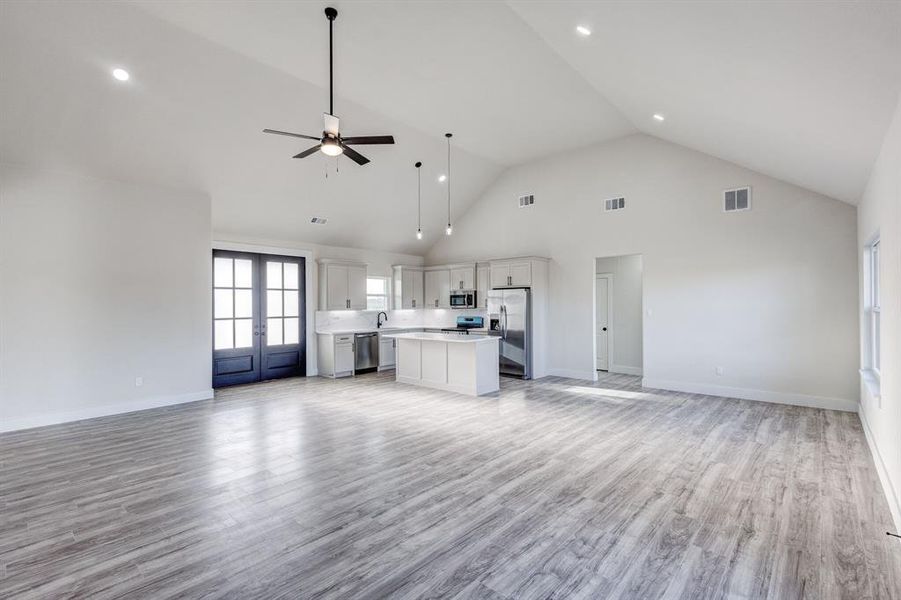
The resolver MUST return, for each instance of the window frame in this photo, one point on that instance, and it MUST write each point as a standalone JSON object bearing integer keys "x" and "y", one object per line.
{"x": 873, "y": 307}
{"x": 385, "y": 294}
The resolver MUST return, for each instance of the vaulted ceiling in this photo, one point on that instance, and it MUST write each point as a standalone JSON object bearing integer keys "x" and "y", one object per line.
{"x": 799, "y": 91}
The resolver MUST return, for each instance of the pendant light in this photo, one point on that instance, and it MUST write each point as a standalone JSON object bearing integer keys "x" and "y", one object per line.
{"x": 449, "y": 229}
{"x": 419, "y": 201}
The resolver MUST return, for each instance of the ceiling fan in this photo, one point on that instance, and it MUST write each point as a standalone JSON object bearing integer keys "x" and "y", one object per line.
{"x": 331, "y": 143}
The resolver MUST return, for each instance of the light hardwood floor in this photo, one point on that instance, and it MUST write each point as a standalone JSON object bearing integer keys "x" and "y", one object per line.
{"x": 366, "y": 488}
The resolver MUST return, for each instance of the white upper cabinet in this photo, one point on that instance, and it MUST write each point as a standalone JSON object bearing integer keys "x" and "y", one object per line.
{"x": 463, "y": 278}
{"x": 356, "y": 287}
{"x": 482, "y": 285}
{"x": 336, "y": 297}
{"x": 511, "y": 274}
{"x": 408, "y": 287}
{"x": 437, "y": 288}
{"x": 342, "y": 286}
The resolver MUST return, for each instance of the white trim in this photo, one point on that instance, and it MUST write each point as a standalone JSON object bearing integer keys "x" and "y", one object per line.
{"x": 893, "y": 504}
{"x": 825, "y": 402}
{"x": 106, "y": 410}
{"x": 573, "y": 374}
{"x": 624, "y": 370}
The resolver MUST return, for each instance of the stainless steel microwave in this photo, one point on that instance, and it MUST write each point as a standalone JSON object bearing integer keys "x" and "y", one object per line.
{"x": 463, "y": 299}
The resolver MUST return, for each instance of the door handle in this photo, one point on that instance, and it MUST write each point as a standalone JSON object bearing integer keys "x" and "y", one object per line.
{"x": 604, "y": 329}
{"x": 347, "y": 303}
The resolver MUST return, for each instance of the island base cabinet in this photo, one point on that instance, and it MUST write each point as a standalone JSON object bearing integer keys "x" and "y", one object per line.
{"x": 408, "y": 359}
{"x": 434, "y": 363}
{"x": 465, "y": 368}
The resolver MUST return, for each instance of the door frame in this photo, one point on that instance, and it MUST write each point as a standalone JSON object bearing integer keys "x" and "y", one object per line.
{"x": 311, "y": 285}
{"x": 610, "y": 280}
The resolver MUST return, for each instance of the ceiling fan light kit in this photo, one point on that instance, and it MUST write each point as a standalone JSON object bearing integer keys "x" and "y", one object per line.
{"x": 332, "y": 143}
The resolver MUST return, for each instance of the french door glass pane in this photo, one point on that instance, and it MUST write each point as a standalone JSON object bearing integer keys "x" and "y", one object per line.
{"x": 223, "y": 338}
{"x": 243, "y": 333}
{"x": 243, "y": 273}
{"x": 290, "y": 276}
{"x": 243, "y": 303}
{"x": 291, "y": 303}
{"x": 223, "y": 304}
{"x": 273, "y": 332}
{"x": 292, "y": 331}
{"x": 273, "y": 275}
{"x": 274, "y": 303}
{"x": 222, "y": 272}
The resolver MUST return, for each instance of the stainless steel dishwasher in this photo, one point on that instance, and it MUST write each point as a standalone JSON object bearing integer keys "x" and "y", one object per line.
{"x": 367, "y": 351}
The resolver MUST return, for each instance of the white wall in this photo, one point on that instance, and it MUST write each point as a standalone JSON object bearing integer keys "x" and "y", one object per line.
{"x": 100, "y": 282}
{"x": 768, "y": 294}
{"x": 880, "y": 213}
{"x": 625, "y": 330}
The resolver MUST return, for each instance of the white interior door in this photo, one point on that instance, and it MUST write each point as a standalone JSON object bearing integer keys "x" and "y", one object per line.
{"x": 602, "y": 295}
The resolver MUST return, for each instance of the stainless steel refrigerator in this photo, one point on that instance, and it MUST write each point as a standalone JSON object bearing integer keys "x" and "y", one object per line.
{"x": 510, "y": 318}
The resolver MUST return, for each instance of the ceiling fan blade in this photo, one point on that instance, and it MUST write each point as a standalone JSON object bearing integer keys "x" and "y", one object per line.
{"x": 369, "y": 139}
{"x": 355, "y": 156}
{"x": 330, "y": 124}
{"x": 308, "y": 152}
{"x": 298, "y": 135}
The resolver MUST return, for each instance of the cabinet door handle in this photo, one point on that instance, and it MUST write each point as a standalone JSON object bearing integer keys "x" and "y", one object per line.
{"x": 414, "y": 302}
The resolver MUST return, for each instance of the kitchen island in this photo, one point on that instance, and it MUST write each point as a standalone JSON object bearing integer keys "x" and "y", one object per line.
{"x": 467, "y": 364}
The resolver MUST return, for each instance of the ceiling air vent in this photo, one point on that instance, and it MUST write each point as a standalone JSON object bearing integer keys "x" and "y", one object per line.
{"x": 615, "y": 204}
{"x": 737, "y": 199}
{"x": 526, "y": 200}
{"x": 319, "y": 220}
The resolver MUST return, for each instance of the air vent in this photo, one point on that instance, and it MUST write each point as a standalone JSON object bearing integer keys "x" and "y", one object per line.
{"x": 526, "y": 201}
{"x": 737, "y": 199}
{"x": 319, "y": 220}
{"x": 615, "y": 204}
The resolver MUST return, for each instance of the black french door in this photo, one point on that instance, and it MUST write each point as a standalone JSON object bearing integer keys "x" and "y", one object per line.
{"x": 259, "y": 324}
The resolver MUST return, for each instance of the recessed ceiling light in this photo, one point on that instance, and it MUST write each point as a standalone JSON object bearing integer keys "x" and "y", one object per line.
{"x": 120, "y": 74}
{"x": 442, "y": 178}
{"x": 583, "y": 30}
{"x": 658, "y": 117}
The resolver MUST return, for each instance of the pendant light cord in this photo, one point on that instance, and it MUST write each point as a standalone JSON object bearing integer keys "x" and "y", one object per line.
{"x": 419, "y": 197}
{"x": 448, "y": 136}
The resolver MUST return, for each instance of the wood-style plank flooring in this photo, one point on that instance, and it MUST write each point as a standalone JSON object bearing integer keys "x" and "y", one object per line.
{"x": 365, "y": 488}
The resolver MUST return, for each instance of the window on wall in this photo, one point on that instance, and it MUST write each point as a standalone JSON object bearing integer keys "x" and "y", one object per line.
{"x": 874, "y": 308}
{"x": 377, "y": 293}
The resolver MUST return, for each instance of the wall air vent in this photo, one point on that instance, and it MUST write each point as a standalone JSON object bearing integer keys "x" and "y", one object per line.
{"x": 526, "y": 200}
{"x": 615, "y": 204}
{"x": 737, "y": 199}
{"x": 318, "y": 220}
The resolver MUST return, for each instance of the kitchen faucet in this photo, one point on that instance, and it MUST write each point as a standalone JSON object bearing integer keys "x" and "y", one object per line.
{"x": 379, "y": 319}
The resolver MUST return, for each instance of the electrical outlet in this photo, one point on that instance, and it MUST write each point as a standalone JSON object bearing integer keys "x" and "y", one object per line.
{"x": 719, "y": 371}
{"x": 139, "y": 381}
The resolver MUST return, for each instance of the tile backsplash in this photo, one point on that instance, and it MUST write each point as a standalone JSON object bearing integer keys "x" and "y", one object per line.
{"x": 340, "y": 320}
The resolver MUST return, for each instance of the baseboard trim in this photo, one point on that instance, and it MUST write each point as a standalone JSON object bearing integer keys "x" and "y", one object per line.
{"x": 571, "y": 374}
{"x": 894, "y": 505}
{"x": 825, "y": 402}
{"x": 623, "y": 370}
{"x": 106, "y": 410}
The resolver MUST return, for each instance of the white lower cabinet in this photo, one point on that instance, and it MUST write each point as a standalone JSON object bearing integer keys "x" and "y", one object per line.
{"x": 336, "y": 355}
{"x": 386, "y": 353}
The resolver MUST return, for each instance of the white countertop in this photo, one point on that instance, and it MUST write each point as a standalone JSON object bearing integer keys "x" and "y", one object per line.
{"x": 371, "y": 330}
{"x": 443, "y": 337}
{"x": 412, "y": 328}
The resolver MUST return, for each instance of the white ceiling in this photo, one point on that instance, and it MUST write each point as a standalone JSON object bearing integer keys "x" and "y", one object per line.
{"x": 803, "y": 92}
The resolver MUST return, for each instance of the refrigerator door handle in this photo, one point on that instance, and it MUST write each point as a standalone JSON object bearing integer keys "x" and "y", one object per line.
{"x": 504, "y": 312}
